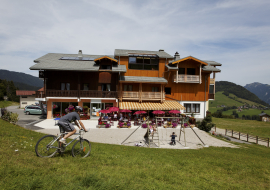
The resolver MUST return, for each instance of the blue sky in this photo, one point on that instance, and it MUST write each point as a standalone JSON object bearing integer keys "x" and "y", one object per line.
{"x": 233, "y": 33}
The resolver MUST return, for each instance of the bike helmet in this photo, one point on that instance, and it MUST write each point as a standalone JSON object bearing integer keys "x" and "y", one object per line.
{"x": 78, "y": 108}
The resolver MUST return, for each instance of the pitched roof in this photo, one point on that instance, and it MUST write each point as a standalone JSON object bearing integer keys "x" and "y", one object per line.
{"x": 171, "y": 68}
{"x": 126, "y": 52}
{"x": 210, "y": 68}
{"x": 212, "y": 63}
{"x": 142, "y": 79}
{"x": 52, "y": 61}
{"x": 188, "y": 58}
{"x": 25, "y": 93}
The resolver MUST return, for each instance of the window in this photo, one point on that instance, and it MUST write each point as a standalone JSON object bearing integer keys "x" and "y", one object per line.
{"x": 105, "y": 67}
{"x": 85, "y": 86}
{"x": 154, "y": 89}
{"x": 168, "y": 91}
{"x": 128, "y": 87}
{"x": 191, "y": 71}
{"x": 106, "y": 87}
{"x": 143, "y": 63}
{"x": 24, "y": 102}
{"x": 211, "y": 89}
{"x": 192, "y": 108}
{"x": 65, "y": 86}
{"x": 24, "y": 96}
{"x": 181, "y": 71}
{"x": 188, "y": 108}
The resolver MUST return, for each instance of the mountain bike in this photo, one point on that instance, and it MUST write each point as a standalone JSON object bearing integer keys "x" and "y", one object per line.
{"x": 49, "y": 145}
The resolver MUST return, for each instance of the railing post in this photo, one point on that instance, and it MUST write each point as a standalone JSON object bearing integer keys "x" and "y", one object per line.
{"x": 268, "y": 143}
{"x": 239, "y": 135}
{"x": 256, "y": 139}
{"x": 225, "y": 132}
{"x": 215, "y": 128}
{"x": 247, "y": 137}
{"x": 232, "y": 133}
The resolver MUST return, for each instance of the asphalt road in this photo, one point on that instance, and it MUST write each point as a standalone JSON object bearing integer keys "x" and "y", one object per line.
{"x": 26, "y": 121}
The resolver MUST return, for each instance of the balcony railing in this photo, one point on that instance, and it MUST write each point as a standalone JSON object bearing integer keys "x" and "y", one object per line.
{"x": 212, "y": 81}
{"x": 77, "y": 93}
{"x": 144, "y": 95}
{"x": 187, "y": 78}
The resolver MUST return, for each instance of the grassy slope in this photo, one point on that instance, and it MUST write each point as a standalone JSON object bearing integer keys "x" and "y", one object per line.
{"x": 122, "y": 167}
{"x": 257, "y": 128}
{"x": 221, "y": 99}
{"x": 8, "y": 103}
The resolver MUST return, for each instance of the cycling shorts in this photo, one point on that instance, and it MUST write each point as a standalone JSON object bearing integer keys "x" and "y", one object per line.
{"x": 68, "y": 127}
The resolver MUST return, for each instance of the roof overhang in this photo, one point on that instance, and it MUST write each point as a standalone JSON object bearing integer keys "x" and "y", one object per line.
{"x": 189, "y": 58}
{"x": 137, "y": 79}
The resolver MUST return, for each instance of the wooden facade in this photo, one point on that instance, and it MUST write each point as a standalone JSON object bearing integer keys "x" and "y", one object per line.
{"x": 185, "y": 79}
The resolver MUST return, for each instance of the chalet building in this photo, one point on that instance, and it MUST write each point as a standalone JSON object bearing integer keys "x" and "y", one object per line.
{"x": 129, "y": 79}
{"x": 27, "y": 97}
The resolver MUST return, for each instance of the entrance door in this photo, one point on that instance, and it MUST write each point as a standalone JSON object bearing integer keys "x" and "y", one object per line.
{"x": 95, "y": 108}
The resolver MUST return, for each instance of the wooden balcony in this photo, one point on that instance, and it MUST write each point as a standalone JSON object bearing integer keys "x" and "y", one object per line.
{"x": 212, "y": 81}
{"x": 211, "y": 96}
{"x": 187, "y": 79}
{"x": 127, "y": 95}
{"x": 77, "y": 94}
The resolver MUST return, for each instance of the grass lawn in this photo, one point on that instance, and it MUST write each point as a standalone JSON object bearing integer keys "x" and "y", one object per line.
{"x": 124, "y": 167}
{"x": 257, "y": 128}
{"x": 8, "y": 103}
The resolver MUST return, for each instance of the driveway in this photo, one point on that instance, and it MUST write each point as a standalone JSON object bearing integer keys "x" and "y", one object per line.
{"x": 26, "y": 121}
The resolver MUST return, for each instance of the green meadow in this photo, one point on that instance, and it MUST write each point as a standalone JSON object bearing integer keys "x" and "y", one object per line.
{"x": 126, "y": 167}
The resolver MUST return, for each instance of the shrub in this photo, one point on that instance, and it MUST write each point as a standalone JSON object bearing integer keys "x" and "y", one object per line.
{"x": 206, "y": 124}
{"x": 107, "y": 125}
{"x": 14, "y": 117}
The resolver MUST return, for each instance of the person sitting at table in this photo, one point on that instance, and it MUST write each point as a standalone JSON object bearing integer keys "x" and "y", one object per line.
{"x": 121, "y": 118}
{"x": 115, "y": 116}
{"x": 106, "y": 117}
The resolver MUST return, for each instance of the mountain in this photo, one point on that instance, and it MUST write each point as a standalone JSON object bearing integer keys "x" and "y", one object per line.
{"x": 239, "y": 91}
{"x": 261, "y": 90}
{"x": 21, "y": 80}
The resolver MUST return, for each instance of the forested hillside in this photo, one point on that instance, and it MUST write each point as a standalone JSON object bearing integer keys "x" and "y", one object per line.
{"x": 239, "y": 91}
{"x": 21, "y": 78}
{"x": 7, "y": 88}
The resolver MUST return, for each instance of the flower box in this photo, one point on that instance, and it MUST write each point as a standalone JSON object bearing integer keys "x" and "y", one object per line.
{"x": 124, "y": 126}
{"x": 169, "y": 126}
{"x": 104, "y": 126}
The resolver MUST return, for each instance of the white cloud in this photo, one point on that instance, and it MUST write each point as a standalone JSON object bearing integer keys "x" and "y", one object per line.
{"x": 234, "y": 33}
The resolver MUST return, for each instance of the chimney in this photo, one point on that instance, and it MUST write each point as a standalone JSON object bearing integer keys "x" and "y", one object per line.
{"x": 161, "y": 50}
{"x": 80, "y": 54}
{"x": 176, "y": 56}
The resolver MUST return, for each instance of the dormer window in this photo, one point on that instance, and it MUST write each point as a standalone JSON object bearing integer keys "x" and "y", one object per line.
{"x": 105, "y": 67}
{"x": 143, "y": 62}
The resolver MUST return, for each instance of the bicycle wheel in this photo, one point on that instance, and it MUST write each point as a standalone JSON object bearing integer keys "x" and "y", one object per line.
{"x": 47, "y": 146}
{"x": 81, "y": 148}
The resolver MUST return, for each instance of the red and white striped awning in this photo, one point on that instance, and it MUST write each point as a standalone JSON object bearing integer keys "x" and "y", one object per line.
{"x": 167, "y": 105}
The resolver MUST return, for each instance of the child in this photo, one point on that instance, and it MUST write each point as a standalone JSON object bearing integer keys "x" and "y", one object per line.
{"x": 173, "y": 138}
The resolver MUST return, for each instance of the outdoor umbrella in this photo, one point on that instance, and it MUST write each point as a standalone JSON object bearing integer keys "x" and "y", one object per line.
{"x": 139, "y": 112}
{"x": 113, "y": 109}
{"x": 157, "y": 112}
{"x": 174, "y": 111}
{"x": 125, "y": 111}
{"x": 105, "y": 111}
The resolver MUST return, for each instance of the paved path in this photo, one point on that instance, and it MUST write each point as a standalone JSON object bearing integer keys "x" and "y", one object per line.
{"x": 236, "y": 138}
{"x": 115, "y": 135}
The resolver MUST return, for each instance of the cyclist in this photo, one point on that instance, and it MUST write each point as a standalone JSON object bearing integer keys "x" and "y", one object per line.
{"x": 65, "y": 123}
